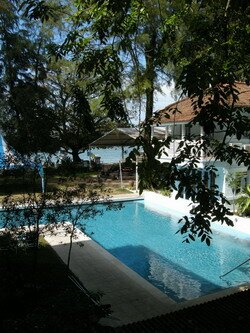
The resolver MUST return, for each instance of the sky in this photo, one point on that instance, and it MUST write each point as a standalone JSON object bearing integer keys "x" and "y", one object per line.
{"x": 162, "y": 100}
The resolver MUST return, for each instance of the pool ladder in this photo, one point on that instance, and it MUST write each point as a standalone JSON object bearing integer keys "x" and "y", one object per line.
{"x": 234, "y": 268}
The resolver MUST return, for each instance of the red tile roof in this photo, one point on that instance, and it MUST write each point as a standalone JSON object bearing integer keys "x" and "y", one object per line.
{"x": 182, "y": 111}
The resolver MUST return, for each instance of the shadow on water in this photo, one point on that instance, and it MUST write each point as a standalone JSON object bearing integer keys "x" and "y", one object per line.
{"x": 175, "y": 281}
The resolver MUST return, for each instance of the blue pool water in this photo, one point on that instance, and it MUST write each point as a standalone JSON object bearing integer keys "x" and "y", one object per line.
{"x": 146, "y": 242}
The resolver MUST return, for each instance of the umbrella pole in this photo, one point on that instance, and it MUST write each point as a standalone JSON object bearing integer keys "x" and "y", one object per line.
{"x": 136, "y": 175}
{"x": 43, "y": 184}
{"x": 120, "y": 169}
{"x": 122, "y": 153}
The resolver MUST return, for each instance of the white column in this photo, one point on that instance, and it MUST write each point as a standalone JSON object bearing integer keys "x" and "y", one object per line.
{"x": 201, "y": 135}
{"x": 248, "y": 176}
{"x": 120, "y": 168}
{"x": 136, "y": 175}
{"x": 183, "y": 131}
{"x": 152, "y": 132}
{"x": 166, "y": 131}
{"x": 172, "y": 128}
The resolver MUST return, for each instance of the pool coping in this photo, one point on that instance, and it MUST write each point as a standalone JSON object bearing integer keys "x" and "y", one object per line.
{"x": 76, "y": 202}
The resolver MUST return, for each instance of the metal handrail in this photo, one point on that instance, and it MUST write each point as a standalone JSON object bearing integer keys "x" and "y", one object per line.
{"x": 83, "y": 289}
{"x": 234, "y": 268}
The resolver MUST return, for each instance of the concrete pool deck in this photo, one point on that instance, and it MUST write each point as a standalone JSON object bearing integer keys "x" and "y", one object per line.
{"x": 131, "y": 297}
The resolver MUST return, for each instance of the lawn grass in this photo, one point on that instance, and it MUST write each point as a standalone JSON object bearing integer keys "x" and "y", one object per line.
{"x": 45, "y": 300}
{"x": 17, "y": 185}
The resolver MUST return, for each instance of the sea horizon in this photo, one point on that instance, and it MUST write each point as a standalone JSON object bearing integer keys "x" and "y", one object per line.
{"x": 107, "y": 155}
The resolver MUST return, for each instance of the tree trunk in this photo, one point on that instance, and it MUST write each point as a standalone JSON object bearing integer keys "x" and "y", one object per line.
{"x": 150, "y": 50}
{"x": 75, "y": 155}
{"x": 70, "y": 246}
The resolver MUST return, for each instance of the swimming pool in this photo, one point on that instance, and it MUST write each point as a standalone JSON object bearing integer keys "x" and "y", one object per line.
{"x": 146, "y": 242}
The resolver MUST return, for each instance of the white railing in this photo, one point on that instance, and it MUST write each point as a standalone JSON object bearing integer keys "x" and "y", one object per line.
{"x": 168, "y": 153}
{"x": 172, "y": 150}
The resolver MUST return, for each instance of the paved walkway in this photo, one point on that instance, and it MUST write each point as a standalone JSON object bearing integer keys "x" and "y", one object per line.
{"x": 131, "y": 297}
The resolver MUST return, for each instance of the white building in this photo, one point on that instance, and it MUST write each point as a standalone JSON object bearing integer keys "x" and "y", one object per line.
{"x": 176, "y": 124}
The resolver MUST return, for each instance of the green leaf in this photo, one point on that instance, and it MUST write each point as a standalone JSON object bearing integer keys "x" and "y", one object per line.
{"x": 203, "y": 237}
{"x": 191, "y": 237}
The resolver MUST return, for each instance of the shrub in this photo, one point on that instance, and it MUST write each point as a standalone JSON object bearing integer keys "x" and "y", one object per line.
{"x": 243, "y": 202}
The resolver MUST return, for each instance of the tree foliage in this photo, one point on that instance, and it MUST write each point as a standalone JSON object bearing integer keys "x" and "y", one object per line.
{"x": 45, "y": 107}
{"x": 76, "y": 108}
{"x": 205, "y": 46}
{"x": 210, "y": 54}
{"x": 26, "y": 117}
{"x": 243, "y": 201}
{"x": 123, "y": 44}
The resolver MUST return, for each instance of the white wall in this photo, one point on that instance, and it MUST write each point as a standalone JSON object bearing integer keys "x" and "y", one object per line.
{"x": 181, "y": 207}
{"x": 160, "y": 202}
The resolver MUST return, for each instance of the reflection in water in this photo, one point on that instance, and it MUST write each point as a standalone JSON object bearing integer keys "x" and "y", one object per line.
{"x": 182, "y": 285}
